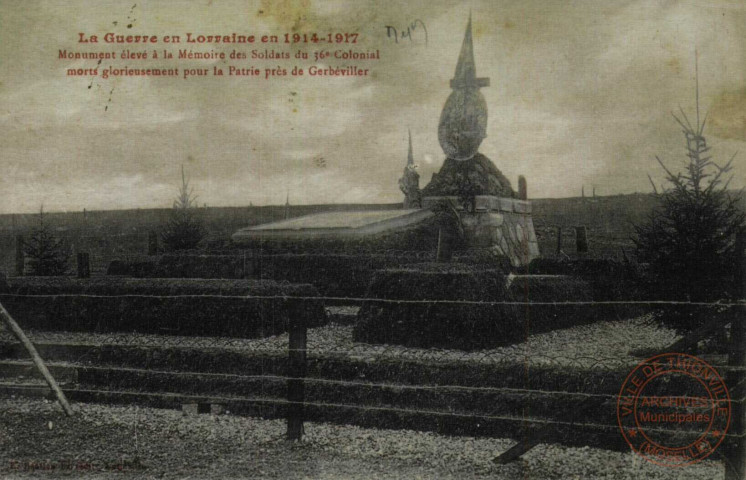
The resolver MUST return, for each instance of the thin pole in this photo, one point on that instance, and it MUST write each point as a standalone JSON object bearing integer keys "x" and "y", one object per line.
{"x": 735, "y": 447}
{"x": 20, "y": 256}
{"x": 18, "y": 332}
{"x": 696, "y": 81}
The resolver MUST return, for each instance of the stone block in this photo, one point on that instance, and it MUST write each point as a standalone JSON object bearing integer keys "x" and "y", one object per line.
{"x": 482, "y": 203}
{"x": 492, "y": 219}
{"x": 470, "y": 221}
{"x": 506, "y": 205}
{"x": 531, "y": 231}
{"x": 520, "y": 206}
{"x": 519, "y": 233}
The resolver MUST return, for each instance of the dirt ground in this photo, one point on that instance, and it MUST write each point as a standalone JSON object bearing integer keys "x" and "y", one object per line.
{"x": 38, "y": 441}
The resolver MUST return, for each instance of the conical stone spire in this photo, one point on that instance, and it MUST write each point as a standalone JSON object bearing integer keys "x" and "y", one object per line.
{"x": 462, "y": 127}
{"x": 463, "y": 122}
{"x": 466, "y": 70}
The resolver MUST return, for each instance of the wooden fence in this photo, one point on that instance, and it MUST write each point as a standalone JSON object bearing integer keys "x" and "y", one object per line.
{"x": 548, "y": 431}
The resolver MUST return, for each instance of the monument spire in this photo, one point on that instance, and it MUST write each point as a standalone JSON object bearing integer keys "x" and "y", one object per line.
{"x": 410, "y": 155}
{"x": 463, "y": 121}
{"x": 466, "y": 69}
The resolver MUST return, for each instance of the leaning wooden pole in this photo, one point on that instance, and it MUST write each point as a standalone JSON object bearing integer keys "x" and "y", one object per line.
{"x": 18, "y": 332}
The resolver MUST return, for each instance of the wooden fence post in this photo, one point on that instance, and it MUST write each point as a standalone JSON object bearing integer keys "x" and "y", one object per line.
{"x": 84, "y": 265}
{"x": 152, "y": 243}
{"x": 559, "y": 240}
{"x": 296, "y": 372}
{"x": 20, "y": 256}
{"x": 581, "y": 239}
{"x": 735, "y": 447}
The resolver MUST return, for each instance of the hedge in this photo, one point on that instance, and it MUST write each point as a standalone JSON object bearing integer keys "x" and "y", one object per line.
{"x": 171, "y": 306}
{"x": 467, "y": 326}
{"x": 139, "y": 267}
{"x": 610, "y": 279}
{"x": 336, "y": 275}
{"x": 333, "y": 275}
{"x": 205, "y": 266}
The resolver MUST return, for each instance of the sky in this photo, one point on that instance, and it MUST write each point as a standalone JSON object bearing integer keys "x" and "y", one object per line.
{"x": 581, "y": 94}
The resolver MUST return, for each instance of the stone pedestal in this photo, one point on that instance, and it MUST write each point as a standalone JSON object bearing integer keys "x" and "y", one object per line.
{"x": 501, "y": 224}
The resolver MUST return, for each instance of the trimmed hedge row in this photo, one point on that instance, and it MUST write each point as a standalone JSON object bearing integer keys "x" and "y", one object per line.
{"x": 172, "y": 306}
{"x": 333, "y": 275}
{"x": 609, "y": 279}
{"x": 133, "y": 267}
{"x": 467, "y": 326}
{"x": 205, "y": 266}
{"x": 337, "y": 275}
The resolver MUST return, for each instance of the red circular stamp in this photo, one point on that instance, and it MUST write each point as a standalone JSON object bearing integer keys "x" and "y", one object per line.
{"x": 674, "y": 409}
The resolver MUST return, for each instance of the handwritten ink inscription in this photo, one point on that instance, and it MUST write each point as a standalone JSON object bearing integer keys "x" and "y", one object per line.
{"x": 413, "y": 29}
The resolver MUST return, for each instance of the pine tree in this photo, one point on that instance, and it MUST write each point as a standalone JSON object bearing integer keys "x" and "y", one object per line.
{"x": 46, "y": 255}
{"x": 688, "y": 240}
{"x": 184, "y": 230}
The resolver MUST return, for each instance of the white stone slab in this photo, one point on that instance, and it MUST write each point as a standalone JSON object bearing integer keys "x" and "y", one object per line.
{"x": 335, "y": 224}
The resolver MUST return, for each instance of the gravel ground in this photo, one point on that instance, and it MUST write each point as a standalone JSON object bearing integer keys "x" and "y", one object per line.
{"x": 598, "y": 345}
{"x": 154, "y": 443}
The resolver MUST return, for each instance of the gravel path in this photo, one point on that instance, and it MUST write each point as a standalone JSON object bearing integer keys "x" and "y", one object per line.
{"x": 153, "y": 443}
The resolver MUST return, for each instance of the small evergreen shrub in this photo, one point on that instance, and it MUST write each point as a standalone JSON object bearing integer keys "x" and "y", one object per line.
{"x": 46, "y": 255}
{"x": 184, "y": 229}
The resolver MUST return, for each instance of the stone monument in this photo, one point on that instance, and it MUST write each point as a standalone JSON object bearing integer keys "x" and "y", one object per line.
{"x": 491, "y": 216}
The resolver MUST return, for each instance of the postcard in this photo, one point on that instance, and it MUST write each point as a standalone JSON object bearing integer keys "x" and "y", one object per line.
{"x": 362, "y": 239}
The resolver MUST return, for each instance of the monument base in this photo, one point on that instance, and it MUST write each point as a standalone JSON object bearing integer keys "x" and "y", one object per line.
{"x": 501, "y": 224}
